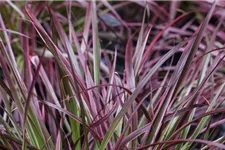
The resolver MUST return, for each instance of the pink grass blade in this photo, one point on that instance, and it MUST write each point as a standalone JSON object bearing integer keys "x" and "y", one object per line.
{"x": 86, "y": 28}
{"x": 129, "y": 71}
{"x": 141, "y": 44}
{"x": 109, "y": 91}
{"x": 139, "y": 51}
{"x": 15, "y": 32}
{"x": 96, "y": 44}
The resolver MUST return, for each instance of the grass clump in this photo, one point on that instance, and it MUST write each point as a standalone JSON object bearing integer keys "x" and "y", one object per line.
{"x": 89, "y": 75}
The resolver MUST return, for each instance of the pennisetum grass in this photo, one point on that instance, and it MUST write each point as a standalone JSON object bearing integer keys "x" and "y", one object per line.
{"x": 112, "y": 75}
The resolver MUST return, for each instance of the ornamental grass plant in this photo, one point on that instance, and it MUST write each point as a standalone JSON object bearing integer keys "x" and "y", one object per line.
{"x": 99, "y": 75}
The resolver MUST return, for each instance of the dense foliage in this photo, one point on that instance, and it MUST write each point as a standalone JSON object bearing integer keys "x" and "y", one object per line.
{"x": 112, "y": 75}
